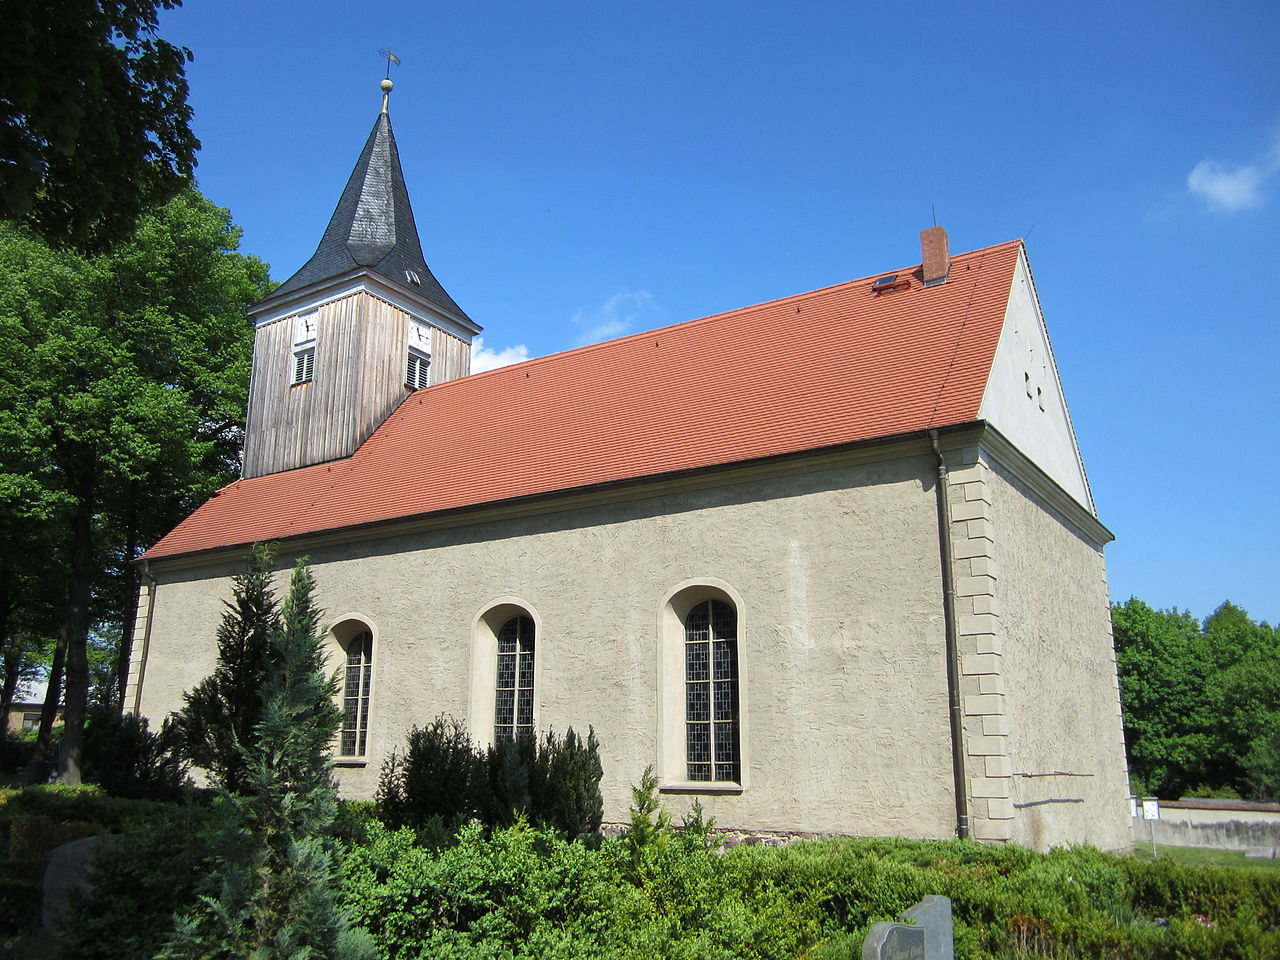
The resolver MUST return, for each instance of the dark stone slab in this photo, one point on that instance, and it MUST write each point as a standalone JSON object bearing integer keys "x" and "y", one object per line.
{"x": 66, "y": 873}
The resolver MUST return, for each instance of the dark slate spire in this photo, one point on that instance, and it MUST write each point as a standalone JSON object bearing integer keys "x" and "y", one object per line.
{"x": 372, "y": 229}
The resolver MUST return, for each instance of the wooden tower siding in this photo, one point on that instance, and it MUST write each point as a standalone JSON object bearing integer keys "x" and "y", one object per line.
{"x": 361, "y": 351}
{"x": 450, "y": 357}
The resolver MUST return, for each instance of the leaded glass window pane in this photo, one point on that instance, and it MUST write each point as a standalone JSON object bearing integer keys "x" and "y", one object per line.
{"x": 506, "y": 708}
{"x": 695, "y": 660}
{"x": 355, "y": 696}
{"x": 514, "y": 712}
{"x": 711, "y": 692}
{"x": 698, "y": 745}
{"x": 697, "y": 703}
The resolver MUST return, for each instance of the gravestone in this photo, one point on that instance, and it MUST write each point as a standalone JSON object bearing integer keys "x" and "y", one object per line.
{"x": 927, "y": 936}
{"x": 66, "y": 875}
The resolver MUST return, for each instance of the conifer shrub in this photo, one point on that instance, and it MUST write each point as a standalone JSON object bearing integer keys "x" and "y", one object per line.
{"x": 221, "y": 713}
{"x": 123, "y": 756}
{"x": 442, "y": 780}
{"x": 515, "y": 772}
{"x": 570, "y": 801}
{"x": 439, "y": 775}
{"x": 278, "y": 855}
{"x": 649, "y": 829}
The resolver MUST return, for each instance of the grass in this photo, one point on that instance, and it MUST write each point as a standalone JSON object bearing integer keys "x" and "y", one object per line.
{"x": 1205, "y": 857}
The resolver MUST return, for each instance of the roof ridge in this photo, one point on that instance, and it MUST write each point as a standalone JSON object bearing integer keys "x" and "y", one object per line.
{"x": 708, "y": 318}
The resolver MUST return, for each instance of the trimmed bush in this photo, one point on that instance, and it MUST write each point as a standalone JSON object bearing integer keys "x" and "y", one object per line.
{"x": 439, "y": 775}
{"x": 127, "y": 759}
{"x": 521, "y": 892}
{"x": 442, "y": 780}
{"x": 139, "y": 879}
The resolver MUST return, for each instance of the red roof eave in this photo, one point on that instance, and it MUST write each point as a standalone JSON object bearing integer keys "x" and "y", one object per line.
{"x": 832, "y": 367}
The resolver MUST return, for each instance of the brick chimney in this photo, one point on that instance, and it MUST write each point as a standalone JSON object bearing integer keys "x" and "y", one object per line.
{"x": 935, "y": 256}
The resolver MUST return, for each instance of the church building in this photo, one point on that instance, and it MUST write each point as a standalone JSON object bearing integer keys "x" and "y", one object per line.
{"x": 828, "y": 564}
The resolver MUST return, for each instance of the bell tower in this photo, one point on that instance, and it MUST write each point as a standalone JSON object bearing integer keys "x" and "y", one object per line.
{"x": 361, "y": 324}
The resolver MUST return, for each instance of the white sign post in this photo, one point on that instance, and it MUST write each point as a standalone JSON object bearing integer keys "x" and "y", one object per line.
{"x": 1151, "y": 812}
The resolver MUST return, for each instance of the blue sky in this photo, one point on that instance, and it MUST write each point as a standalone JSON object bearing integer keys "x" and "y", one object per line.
{"x": 582, "y": 170}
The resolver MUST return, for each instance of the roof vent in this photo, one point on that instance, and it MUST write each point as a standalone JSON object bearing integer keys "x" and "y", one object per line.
{"x": 412, "y": 277}
{"x": 935, "y": 255}
{"x": 892, "y": 282}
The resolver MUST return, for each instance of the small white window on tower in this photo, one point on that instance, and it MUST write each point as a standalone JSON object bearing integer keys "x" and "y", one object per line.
{"x": 304, "y": 365}
{"x": 415, "y": 375}
{"x": 304, "y": 347}
{"x": 418, "y": 336}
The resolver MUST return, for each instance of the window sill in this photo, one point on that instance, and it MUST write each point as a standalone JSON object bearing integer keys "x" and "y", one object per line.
{"x": 700, "y": 786}
{"x": 350, "y": 761}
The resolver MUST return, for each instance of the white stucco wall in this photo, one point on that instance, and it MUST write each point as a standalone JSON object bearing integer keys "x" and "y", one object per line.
{"x": 845, "y": 722}
{"x": 1068, "y": 778}
{"x": 1024, "y": 399}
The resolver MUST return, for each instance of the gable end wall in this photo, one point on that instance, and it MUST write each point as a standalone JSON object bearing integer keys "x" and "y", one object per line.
{"x": 1068, "y": 778}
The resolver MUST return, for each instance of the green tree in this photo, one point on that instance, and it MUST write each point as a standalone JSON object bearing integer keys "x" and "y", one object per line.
{"x": 221, "y": 714}
{"x": 279, "y": 896}
{"x": 1262, "y": 764}
{"x": 1162, "y": 677}
{"x": 128, "y": 411}
{"x": 94, "y": 121}
{"x": 1242, "y": 693}
{"x": 1198, "y": 699}
{"x": 650, "y": 828}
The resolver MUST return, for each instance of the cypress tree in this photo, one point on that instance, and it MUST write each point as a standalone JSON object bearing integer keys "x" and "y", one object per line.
{"x": 220, "y": 715}
{"x": 280, "y": 875}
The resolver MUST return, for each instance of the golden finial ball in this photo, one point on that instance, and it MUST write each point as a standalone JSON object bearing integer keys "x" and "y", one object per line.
{"x": 386, "y": 85}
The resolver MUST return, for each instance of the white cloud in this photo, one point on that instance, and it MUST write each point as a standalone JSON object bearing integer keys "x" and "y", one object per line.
{"x": 1229, "y": 187}
{"x": 615, "y": 317}
{"x": 482, "y": 358}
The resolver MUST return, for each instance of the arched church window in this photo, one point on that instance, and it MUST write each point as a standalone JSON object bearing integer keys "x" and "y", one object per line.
{"x": 514, "y": 714}
{"x": 355, "y": 695}
{"x": 711, "y": 692}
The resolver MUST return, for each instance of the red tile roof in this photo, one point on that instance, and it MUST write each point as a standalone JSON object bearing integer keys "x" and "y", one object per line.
{"x": 834, "y": 366}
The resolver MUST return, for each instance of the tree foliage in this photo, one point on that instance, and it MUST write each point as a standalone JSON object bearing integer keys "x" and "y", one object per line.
{"x": 442, "y": 778}
{"x": 1199, "y": 699}
{"x": 94, "y": 121}
{"x": 221, "y": 714}
{"x": 128, "y": 412}
{"x": 124, "y": 757}
{"x": 279, "y": 871}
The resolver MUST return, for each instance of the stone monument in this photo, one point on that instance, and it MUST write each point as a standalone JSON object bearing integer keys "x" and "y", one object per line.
{"x": 926, "y": 936}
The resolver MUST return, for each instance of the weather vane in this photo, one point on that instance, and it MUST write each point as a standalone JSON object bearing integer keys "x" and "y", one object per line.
{"x": 387, "y": 84}
{"x": 391, "y": 58}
